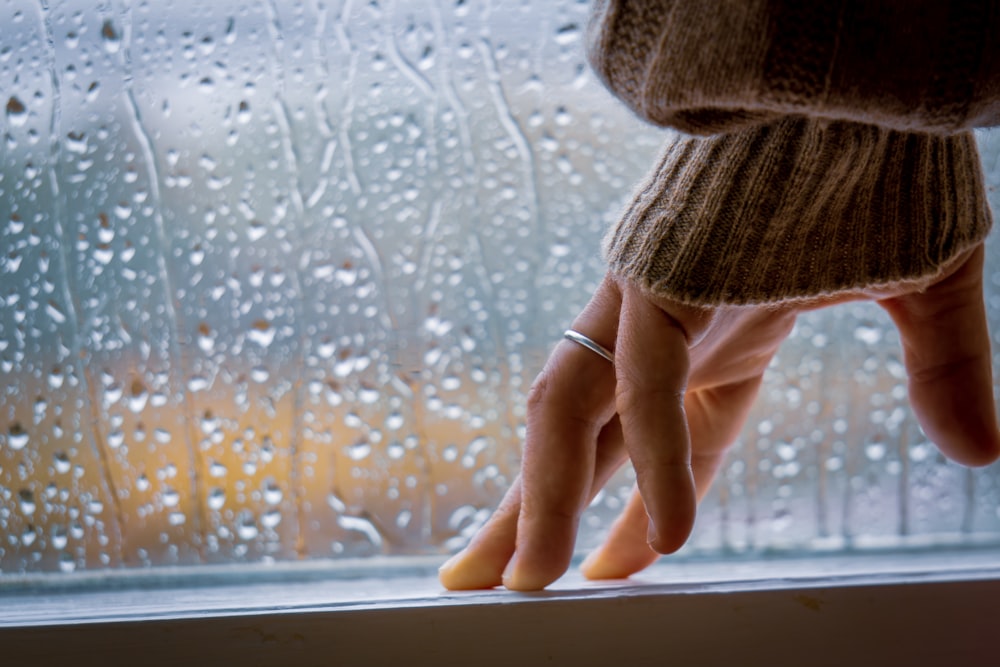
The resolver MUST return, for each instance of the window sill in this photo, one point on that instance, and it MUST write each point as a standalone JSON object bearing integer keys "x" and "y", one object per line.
{"x": 883, "y": 609}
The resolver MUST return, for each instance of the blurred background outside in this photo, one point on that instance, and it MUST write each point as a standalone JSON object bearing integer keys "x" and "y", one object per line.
{"x": 275, "y": 278}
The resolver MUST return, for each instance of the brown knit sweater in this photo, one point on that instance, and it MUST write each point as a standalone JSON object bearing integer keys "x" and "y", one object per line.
{"x": 837, "y": 153}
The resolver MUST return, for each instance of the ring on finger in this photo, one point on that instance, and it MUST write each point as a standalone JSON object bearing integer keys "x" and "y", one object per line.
{"x": 589, "y": 343}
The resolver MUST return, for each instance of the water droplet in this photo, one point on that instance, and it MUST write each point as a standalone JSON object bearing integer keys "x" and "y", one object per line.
{"x": 197, "y": 255}
{"x": 262, "y": 333}
{"x": 367, "y": 394}
{"x": 216, "y": 469}
{"x": 246, "y": 528}
{"x": 216, "y": 499}
{"x": 209, "y": 423}
{"x": 475, "y": 448}
{"x": 336, "y": 504}
{"x": 560, "y": 249}
{"x": 347, "y": 274}
{"x": 359, "y": 450}
{"x": 868, "y": 334}
{"x": 272, "y": 492}
{"x": 17, "y": 437}
{"x": 66, "y": 563}
{"x": 786, "y": 451}
{"x": 567, "y": 34}
{"x": 170, "y": 497}
{"x": 875, "y": 451}
{"x": 243, "y": 114}
{"x": 122, "y": 211}
{"x": 197, "y": 383}
{"x": 56, "y": 378}
{"x": 17, "y": 114}
{"x": 61, "y": 463}
{"x": 394, "y": 421}
{"x": 29, "y": 536}
{"x": 55, "y": 312}
{"x": 27, "y": 502}
{"x": 206, "y": 340}
{"x": 76, "y": 142}
{"x": 76, "y": 531}
{"x": 112, "y": 39}
{"x": 326, "y": 348}
{"x": 105, "y": 231}
{"x": 138, "y": 396}
{"x": 142, "y": 483}
{"x": 59, "y": 537}
{"x": 363, "y": 526}
{"x": 270, "y": 518}
{"x": 256, "y": 230}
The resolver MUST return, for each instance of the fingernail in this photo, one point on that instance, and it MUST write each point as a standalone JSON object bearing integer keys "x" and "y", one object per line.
{"x": 508, "y": 572}
{"x": 651, "y": 534}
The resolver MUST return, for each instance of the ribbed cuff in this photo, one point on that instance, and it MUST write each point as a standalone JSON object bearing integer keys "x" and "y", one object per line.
{"x": 799, "y": 208}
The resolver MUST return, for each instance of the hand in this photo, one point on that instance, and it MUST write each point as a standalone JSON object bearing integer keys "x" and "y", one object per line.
{"x": 682, "y": 384}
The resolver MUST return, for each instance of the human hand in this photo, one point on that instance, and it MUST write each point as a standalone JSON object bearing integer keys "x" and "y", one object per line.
{"x": 675, "y": 399}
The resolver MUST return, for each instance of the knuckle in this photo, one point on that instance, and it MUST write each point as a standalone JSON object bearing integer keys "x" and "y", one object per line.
{"x": 539, "y": 391}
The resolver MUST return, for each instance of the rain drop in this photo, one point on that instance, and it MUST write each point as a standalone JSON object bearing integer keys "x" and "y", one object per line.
{"x": 17, "y": 437}
{"x": 868, "y": 334}
{"x": 59, "y": 537}
{"x": 256, "y": 230}
{"x": 262, "y": 333}
{"x": 246, "y": 528}
{"x": 66, "y": 562}
{"x": 216, "y": 499}
{"x": 27, "y": 502}
{"x": 17, "y": 114}
{"x": 359, "y": 450}
{"x": 567, "y": 34}
{"x": 272, "y": 493}
{"x": 206, "y": 340}
{"x": 138, "y": 396}
{"x": 170, "y": 497}
{"x": 111, "y": 37}
{"x": 61, "y": 463}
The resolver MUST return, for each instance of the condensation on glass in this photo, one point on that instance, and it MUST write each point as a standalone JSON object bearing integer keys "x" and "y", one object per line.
{"x": 275, "y": 278}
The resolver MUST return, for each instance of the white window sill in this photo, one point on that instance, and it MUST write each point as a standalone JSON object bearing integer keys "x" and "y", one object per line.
{"x": 925, "y": 609}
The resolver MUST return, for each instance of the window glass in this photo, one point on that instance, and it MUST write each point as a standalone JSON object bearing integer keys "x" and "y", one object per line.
{"x": 275, "y": 278}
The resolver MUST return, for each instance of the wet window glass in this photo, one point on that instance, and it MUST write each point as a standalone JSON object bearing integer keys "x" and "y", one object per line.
{"x": 275, "y": 278}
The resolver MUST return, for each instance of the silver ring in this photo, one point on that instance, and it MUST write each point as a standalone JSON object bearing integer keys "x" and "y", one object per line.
{"x": 591, "y": 345}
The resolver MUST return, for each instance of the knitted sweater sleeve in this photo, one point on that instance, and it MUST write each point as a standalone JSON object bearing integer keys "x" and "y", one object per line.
{"x": 835, "y": 151}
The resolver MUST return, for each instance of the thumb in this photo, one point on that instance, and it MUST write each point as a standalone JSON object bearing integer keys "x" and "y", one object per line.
{"x": 946, "y": 348}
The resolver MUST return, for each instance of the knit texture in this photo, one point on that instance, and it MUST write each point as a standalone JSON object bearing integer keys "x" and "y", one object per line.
{"x": 836, "y": 153}
{"x": 799, "y": 208}
{"x": 714, "y": 66}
